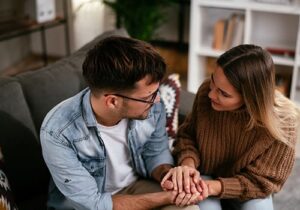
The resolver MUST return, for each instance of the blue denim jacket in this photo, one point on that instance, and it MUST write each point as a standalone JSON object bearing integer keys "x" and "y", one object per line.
{"x": 76, "y": 157}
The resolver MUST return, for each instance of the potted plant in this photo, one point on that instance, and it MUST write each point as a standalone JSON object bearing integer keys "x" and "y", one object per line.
{"x": 141, "y": 18}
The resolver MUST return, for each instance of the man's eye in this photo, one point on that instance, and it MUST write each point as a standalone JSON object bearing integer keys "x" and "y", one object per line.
{"x": 147, "y": 98}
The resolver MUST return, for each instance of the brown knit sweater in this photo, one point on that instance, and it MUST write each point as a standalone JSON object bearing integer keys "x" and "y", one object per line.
{"x": 249, "y": 164}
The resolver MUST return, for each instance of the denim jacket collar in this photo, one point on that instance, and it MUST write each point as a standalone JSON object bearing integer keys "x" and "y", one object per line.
{"x": 87, "y": 112}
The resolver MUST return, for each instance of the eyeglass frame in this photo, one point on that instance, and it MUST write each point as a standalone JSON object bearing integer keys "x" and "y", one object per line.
{"x": 151, "y": 101}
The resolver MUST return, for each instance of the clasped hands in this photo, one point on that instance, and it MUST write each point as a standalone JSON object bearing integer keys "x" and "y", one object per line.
{"x": 186, "y": 182}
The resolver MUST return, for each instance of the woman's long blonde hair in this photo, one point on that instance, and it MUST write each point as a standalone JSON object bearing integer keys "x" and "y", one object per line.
{"x": 250, "y": 69}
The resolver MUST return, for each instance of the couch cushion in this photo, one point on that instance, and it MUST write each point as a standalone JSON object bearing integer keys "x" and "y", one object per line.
{"x": 13, "y": 103}
{"x": 186, "y": 104}
{"x": 47, "y": 87}
{"x": 25, "y": 167}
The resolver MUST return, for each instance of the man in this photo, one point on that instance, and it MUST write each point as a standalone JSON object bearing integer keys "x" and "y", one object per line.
{"x": 101, "y": 142}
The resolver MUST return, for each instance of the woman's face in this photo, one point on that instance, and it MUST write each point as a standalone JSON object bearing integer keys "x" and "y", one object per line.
{"x": 224, "y": 97}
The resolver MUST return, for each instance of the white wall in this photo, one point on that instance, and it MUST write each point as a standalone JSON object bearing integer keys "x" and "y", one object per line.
{"x": 90, "y": 18}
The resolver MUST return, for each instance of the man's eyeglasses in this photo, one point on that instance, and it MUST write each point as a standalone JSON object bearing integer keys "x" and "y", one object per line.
{"x": 151, "y": 101}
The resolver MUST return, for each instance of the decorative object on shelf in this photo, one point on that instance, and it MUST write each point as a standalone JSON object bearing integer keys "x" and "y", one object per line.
{"x": 140, "y": 18}
{"x": 41, "y": 10}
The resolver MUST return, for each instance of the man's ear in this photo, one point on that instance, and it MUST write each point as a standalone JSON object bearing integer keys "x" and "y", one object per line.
{"x": 112, "y": 101}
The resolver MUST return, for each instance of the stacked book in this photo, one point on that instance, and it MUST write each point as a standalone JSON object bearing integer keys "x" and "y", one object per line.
{"x": 228, "y": 32}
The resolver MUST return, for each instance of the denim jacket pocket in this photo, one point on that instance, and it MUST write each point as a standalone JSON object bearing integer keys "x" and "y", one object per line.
{"x": 94, "y": 166}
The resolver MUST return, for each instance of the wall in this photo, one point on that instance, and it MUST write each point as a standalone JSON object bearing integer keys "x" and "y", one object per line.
{"x": 89, "y": 18}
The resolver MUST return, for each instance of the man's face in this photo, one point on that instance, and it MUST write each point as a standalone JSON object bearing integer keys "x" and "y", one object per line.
{"x": 138, "y": 102}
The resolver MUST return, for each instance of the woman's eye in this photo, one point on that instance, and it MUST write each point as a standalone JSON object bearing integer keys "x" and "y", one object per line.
{"x": 224, "y": 94}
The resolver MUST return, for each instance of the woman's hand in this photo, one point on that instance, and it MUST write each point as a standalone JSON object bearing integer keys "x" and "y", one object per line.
{"x": 183, "y": 178}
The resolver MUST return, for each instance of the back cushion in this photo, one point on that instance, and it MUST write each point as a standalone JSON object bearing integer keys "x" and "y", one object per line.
{"x": 24, "y": 165}
{"x": 47, "y": 87}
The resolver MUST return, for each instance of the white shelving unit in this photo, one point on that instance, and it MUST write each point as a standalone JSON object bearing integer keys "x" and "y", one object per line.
{"x": 267, "y": 25}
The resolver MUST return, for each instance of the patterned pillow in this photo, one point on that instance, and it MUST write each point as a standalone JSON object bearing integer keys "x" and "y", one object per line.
{"x": 169, "y": 93}
{"x": 6, "y": 198}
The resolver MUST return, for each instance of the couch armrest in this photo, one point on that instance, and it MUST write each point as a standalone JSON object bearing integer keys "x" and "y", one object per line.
{"x": 185, "y": 104}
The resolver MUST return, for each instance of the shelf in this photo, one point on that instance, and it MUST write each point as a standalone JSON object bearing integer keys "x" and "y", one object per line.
{"x": 251, "y": 5}
{"x": 232, "y": 4}
{"x": 14, "y": 29}
{"x": 279, "y": 60}
{"x": 29, "y": 63}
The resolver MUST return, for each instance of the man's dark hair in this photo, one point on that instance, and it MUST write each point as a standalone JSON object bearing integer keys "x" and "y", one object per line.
{"x": 117, "y": 63}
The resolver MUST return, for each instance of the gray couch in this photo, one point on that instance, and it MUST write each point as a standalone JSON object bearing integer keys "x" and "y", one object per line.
{"x": 25, "y": 100}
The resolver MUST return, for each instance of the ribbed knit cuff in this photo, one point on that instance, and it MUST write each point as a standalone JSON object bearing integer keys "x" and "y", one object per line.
{"x": 231, "y": 188}
{"x": 188, "y": 154}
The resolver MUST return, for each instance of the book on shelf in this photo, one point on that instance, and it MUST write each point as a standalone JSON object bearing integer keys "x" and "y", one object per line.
{"x": 219, "y": 28}
{"x": 238, "y": 34}
{"x": 228, "y": 32}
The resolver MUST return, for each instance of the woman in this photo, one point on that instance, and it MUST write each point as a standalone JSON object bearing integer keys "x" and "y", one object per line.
{"x": 240, "y": 135}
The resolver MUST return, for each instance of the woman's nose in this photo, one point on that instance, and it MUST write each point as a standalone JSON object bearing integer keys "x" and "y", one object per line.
{"x": 213, "y": 94}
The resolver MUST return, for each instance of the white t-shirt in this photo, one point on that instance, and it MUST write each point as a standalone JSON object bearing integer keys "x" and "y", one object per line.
{"x": 119, "y": 170}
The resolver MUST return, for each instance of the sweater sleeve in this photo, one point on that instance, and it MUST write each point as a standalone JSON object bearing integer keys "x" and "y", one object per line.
{"x": 263, "y": 176}
{"x": 185, "y": 145}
